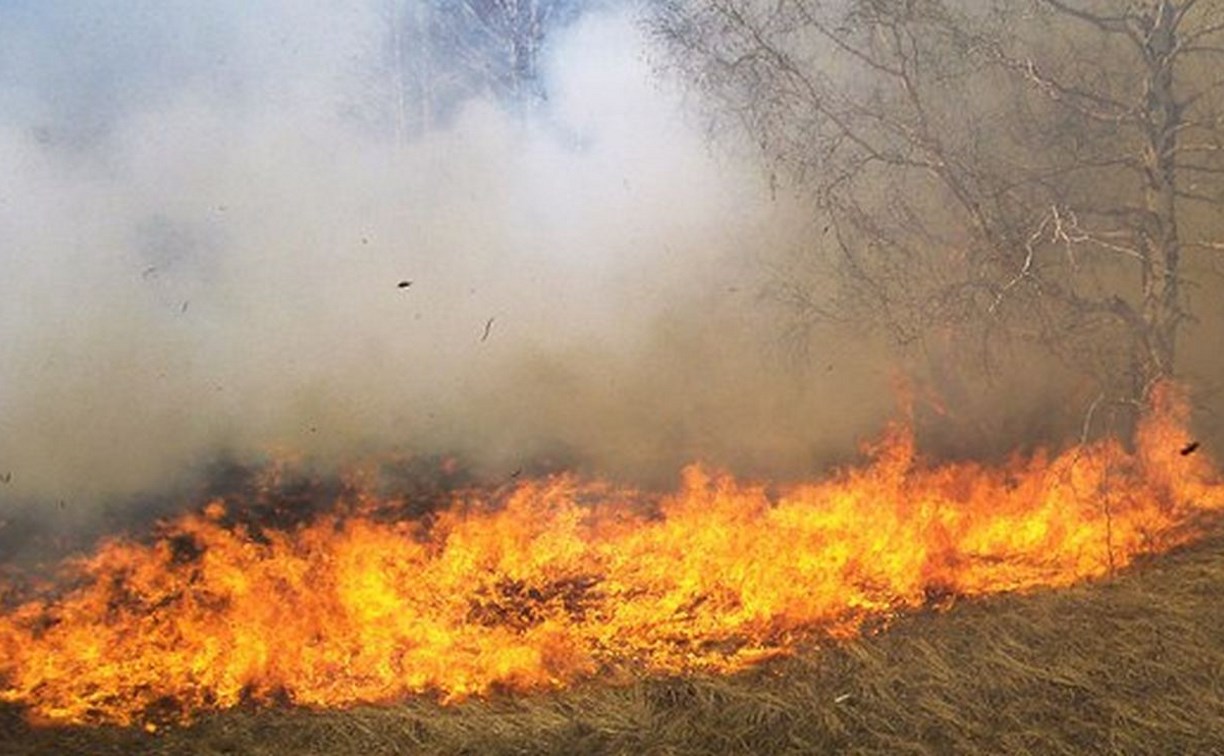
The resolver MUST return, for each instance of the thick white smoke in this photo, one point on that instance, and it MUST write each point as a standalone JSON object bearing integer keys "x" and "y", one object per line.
{"x": 203, "y": 249}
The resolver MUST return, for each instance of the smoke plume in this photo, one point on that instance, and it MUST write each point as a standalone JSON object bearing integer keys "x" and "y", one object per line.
{"x": 209, "y": 251}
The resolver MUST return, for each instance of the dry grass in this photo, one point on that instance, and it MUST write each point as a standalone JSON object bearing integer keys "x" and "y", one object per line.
{"x": 1130, "y": 665}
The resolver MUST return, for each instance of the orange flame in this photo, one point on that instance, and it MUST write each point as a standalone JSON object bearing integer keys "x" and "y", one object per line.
{"x": 560, "y": 579}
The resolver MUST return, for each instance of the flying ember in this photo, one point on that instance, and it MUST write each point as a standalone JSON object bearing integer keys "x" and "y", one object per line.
{"x": 560, "y": 579}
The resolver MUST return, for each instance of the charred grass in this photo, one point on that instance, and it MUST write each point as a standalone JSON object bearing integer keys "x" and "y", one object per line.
{"x": 1133, "y": 664}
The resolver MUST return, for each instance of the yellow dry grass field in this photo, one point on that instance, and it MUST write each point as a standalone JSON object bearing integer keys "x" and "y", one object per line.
{"x": 1130, "y": 664}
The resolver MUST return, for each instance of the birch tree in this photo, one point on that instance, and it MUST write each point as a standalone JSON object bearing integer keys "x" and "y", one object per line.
{"x": 442, "y": 54}
{"x": 989, "y": 170}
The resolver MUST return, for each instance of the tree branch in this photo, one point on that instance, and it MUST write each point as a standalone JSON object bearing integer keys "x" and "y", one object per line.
{"x": 1109, "y": 24}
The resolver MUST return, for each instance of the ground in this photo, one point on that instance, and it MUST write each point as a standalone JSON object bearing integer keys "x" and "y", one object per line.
{"x": 1131, "y": 664}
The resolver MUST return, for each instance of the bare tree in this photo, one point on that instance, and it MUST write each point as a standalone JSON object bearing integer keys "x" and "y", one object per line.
{"x": 407, "y": 86}
{"x": 440, "y": 54}
{"x": 986, "y": 169}
{"x": 515, "y": 30}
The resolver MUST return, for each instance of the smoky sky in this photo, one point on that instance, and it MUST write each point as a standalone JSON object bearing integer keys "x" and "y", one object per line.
{"x": 210, "y": 247}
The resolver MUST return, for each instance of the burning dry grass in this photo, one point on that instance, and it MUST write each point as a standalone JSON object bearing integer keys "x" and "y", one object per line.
{"x": 1131, "y": 664}
{"x": 628, "y": 608}
{"x": 554, "y": 581}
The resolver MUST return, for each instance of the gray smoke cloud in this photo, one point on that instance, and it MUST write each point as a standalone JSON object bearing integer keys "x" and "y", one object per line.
{"x": 203, "y": 248}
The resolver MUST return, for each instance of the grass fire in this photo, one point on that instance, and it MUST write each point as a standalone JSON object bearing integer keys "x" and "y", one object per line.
{"x": 555, "y": 581}
{"x": 661, "y": 376}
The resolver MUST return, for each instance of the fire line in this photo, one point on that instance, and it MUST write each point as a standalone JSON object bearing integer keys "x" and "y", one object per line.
{"x": 560, "y": 579}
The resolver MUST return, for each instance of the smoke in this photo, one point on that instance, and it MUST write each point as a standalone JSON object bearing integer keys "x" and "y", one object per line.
{"x": 208, "y": 252}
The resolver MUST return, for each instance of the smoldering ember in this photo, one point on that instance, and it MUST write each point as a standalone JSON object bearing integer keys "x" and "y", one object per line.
{"x": 612, "y": 375}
